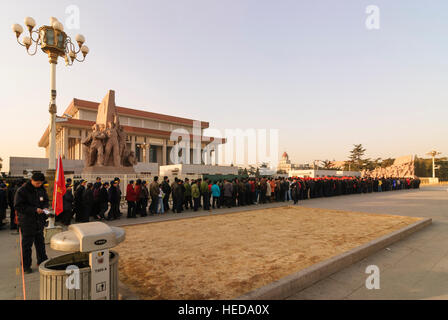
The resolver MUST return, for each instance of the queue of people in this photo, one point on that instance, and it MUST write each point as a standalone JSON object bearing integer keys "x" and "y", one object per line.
{"x": 7, "y": 193}
{"x": 85, "y": 201}
{"x": 208, "y": 195}
{"x": 28, "y": 199}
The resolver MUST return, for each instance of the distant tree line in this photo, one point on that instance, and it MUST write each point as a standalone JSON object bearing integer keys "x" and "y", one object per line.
{"x": 423, "y": 167}
{"x": 357, "y": 162}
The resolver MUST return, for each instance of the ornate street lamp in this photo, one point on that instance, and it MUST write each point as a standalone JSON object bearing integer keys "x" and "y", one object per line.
{"x": 55, "y": 43}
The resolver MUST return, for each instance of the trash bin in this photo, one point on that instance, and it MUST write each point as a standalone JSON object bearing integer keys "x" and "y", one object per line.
{"x": 91, "y": 272}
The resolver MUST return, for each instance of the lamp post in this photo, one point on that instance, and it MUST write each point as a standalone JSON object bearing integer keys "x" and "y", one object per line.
{"x": 433, "y": 154}
{"x": 55, "y": 43}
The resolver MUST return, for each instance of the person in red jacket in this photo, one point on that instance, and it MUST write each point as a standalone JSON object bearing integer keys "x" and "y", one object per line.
{"x": 131, "y": 198}
{"x": 139, "y": 198}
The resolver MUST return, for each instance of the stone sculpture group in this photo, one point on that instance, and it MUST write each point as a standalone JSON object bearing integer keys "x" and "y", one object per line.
{"x": 403, "y": 167}
{"x": 105, "y": 145}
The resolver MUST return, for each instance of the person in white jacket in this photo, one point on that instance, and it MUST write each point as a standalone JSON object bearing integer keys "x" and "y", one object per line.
{"x": 268, "y": 191}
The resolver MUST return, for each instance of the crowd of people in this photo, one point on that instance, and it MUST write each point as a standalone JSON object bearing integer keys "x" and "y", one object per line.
{"x": 7, "y": 193}
{"x": 85, "y": 201}
{"x": 101, "y": 201}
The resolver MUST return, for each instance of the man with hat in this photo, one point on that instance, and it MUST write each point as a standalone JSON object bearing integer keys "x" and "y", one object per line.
{"x": 30, "y": 202}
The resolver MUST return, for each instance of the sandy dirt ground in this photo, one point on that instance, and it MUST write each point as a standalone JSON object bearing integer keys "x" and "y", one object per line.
{"x": 226, "y": 256}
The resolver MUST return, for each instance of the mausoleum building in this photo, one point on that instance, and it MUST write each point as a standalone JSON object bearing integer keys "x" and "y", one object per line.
{"x": 147, "y": 136}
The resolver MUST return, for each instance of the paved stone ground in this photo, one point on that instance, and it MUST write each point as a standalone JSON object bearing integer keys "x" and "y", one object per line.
{"x": 11, "y": 284}
{"x": 413, "y": 268}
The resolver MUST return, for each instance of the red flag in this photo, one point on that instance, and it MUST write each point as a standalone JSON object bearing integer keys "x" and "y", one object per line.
{"x": 59, "y": 188}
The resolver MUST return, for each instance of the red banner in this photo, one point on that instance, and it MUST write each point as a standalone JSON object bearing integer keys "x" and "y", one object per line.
{"x": 59, "y": 188}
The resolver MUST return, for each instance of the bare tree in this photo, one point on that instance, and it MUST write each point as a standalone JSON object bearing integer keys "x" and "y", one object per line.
{"x": 327, "y": 164}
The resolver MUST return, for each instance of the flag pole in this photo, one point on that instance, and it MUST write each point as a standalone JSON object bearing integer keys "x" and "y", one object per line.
{"x": 51, "y": 214}
{"x": 57, "y": 205}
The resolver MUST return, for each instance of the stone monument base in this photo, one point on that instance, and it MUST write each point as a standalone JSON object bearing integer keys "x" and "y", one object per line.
{"x": 108, "y": 170}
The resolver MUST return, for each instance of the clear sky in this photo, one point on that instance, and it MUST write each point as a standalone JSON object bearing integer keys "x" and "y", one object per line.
{"x": 308, "y": 68}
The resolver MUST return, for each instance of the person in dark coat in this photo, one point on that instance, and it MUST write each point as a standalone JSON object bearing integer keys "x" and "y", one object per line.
{"x": 119, "y": 194}
{"x": 79, "y": 206}
{"x": 96, "y": 191}
{"x": 11, "y": 193}
{"x": 295, "y": 191}
{"x": 283, "y": 190}
{"x": 103, "y": 201}
{"x": 263, "y": 188}
{"x": 88, "y": 203}
{"x": 248, "y": 199}
{"x": 114, "y": 199}
{"x": 97, "y": 184}
{"x": 178, "y": 195}
{"x": 174, "y": 193}
{"x": 173, "y": 190}
{"x": 154, "y": 191}
{"x": 234, "y": 192}
{"x": 166, "y": 188}
{"x": 144, "y": 198}
{"x": 68, "y": 199}
{"x": 241, "y": 193}
{"x": 30, "y": 201}
{"x": 3, "y": 203}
